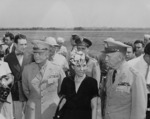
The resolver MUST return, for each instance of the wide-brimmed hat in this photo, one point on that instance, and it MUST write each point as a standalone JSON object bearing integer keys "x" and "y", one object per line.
{"x": 146, "y": 36}
{"x": 112, "y": 45}
{"x": 51, "y": 41}
{"x": 60, "y": 40}
{"x": 83, "y": 42}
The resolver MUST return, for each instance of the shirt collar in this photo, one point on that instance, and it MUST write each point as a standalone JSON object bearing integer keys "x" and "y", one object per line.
{"x": 121, "y": 67}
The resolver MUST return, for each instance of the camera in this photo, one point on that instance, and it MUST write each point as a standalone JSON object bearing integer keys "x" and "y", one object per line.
{"x": 4, "y": 90}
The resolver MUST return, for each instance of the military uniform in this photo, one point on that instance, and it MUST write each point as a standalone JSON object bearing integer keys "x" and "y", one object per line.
{"x": 41, "y": 82}
{"x": 93, "y": 69}
{"x": 41, "y": 89}
{"x": 126, "y": 97}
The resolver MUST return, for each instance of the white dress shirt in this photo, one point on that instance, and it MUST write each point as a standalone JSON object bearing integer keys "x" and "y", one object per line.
{"x": 140, "y": 65}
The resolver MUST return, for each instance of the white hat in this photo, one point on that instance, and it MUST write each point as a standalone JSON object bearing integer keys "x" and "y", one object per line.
{"x": 51, "y": 41}
{"x": 109, "y": 39}
{"x": 60, "y": 40}
{"x": 78, "y": 58}
{"x": 147, "y": 36}
{"x": 1, "y": 42}
{"x": 114, "y": 46}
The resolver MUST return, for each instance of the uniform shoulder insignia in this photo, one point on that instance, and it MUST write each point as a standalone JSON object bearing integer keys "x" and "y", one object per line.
{"x": 56, "y": 65}
{"x": 93, "y": 59}
{"x": 133, "y": 71}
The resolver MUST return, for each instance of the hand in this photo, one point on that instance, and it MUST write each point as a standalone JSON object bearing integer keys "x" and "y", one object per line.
{"x": 62, "y": 103}
{"x": 6, "y": 80}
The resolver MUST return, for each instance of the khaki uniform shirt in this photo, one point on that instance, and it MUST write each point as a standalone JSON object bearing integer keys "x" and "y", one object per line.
{"x": 126, "y": 97}
{"x": 93, "y": 69}
{"x": 41, "y": 90}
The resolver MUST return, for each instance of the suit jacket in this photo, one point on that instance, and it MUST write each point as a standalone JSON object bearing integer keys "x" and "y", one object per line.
{"x": 7, "y": 50}
{"x": 11, "y": 59}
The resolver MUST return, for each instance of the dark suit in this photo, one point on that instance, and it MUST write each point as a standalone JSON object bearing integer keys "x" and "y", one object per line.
{"x": 11, "y": 59}
{"x": 7, "y": 50}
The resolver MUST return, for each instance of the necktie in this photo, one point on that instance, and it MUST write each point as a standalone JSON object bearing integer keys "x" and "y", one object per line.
{"x": 114, "y": 76}
{"x": 146, "y": 78}
{"x": 147, "y": 72}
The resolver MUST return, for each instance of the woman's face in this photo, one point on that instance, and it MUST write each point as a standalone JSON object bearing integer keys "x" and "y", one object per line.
{"x": 80, "y": 69}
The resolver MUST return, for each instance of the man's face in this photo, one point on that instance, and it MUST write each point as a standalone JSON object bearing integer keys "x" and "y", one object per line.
{"x": 21, "y": 45}
{"x": 129, "y": 54}
{"x": 52, "y": 50}
{"x": 138, "y": 49}
{"x": 41, "y": 56}
{"x": 8, "y": 41}
{"x": 82, "y": 48}
{"x": 146, "y": 41}
{"x": 112, "y": 59}
{"x": 72, "y": 42}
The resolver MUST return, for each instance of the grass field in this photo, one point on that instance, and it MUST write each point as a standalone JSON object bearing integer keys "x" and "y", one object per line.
{"x": 96, "y": 37}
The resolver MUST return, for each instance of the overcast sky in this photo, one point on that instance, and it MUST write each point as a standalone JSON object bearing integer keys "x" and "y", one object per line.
{"x": 74, "y": 13}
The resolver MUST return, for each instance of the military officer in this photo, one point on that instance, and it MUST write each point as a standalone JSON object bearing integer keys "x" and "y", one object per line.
{"x": 41, "y": 82}
{"x": 125, "y": 87}
{"x": 93, "y": 69}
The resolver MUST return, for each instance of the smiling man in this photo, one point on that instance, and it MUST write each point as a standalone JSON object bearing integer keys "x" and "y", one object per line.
{"x": 17, "y": 60}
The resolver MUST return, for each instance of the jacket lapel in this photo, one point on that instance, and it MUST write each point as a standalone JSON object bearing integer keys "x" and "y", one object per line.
{"x": 47, "y": 71}
{"x": 35, "y": 71}
{"x": 16, "y": 62}
{"x": 25, "y": 59}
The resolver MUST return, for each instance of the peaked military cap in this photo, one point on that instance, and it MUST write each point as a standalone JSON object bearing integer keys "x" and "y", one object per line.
{"x": 112, "y": 45}
{"x": 83, "y": 41}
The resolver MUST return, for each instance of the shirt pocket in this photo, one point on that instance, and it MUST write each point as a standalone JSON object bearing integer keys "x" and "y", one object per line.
{"x": 124, "y": 93}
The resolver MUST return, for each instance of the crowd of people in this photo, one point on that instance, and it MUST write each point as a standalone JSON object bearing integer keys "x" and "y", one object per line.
{"x": 51, "y": 82}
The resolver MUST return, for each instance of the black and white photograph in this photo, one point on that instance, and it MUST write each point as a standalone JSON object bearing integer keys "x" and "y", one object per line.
{"x": 74, "y": 59}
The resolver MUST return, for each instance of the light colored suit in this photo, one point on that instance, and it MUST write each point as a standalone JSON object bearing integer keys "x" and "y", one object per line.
{"x": 42, "y": 93}
{"x": 126, "y": 97}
